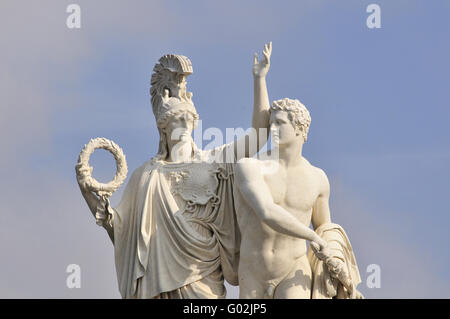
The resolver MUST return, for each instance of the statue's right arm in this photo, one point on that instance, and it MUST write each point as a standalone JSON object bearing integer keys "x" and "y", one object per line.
{"x": 250, "y": 183}
{"x": 93, "y": 203}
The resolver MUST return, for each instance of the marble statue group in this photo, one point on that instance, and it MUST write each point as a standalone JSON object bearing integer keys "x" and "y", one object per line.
{"x": 191, "y": 219}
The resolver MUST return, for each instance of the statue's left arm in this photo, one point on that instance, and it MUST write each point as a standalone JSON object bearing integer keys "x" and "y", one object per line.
{"x": 338, "y": 255}
{"x": 321, "y": 208}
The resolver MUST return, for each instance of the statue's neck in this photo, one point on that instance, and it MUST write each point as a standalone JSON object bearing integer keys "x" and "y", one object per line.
{"x": 291, "y": 154}
{"x": 180, "y": 151}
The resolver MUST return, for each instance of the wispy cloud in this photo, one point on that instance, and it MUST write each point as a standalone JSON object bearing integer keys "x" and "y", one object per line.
{"x": 407, "y": 271}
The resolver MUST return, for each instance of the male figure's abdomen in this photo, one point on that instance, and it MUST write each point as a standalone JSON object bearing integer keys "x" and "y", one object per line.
{"x": 267, "y": 259}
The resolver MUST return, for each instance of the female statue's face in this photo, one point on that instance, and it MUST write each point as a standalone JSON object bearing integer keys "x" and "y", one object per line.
{"x": 179, "y": 127}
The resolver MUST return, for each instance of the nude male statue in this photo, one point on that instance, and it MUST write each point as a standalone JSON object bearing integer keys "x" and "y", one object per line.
{"x": 276, "y": 200}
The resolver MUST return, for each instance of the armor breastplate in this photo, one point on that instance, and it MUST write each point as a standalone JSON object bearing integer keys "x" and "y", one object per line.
{"x": 196, "y": 183}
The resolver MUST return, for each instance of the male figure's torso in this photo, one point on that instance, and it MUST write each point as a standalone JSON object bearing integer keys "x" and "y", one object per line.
{"x": 268, "y": 256}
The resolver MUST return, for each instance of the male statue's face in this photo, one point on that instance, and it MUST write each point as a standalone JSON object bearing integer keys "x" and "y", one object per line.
{"x": 281, "y": 128}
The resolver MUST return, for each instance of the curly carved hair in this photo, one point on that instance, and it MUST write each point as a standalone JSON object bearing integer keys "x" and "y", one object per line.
{"x": 298, "y": 114}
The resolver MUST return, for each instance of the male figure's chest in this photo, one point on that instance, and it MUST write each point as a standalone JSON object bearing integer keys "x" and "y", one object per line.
{"x": 294, "y": 189}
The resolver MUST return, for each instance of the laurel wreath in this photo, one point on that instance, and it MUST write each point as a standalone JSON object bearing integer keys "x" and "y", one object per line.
{"x": 84, "y": 171}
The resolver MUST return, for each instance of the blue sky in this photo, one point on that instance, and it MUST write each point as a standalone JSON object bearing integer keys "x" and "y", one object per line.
{"x": 378, "y": 99}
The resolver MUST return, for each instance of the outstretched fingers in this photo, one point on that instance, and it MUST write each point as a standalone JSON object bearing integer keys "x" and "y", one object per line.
{"x": 267, "y": 52}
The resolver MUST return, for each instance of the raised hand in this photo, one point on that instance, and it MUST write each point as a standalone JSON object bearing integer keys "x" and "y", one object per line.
{"x": 261, "y": 67}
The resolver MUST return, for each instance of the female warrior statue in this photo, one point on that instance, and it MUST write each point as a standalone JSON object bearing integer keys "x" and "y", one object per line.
{"x": 175, "y": 232}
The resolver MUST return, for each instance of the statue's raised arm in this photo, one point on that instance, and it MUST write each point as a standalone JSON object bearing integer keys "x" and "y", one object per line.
{"x": 249, "y": 144}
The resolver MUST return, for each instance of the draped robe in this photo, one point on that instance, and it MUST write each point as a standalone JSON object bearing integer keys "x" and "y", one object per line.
{"x": 175, "y": 231}
{"x": 324, "y": 285}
